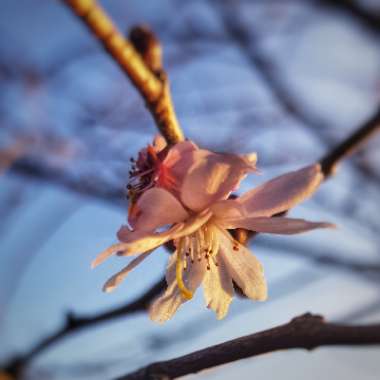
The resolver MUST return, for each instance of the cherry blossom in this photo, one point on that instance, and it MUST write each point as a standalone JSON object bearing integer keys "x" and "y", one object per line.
{"x": 199, "y": 221}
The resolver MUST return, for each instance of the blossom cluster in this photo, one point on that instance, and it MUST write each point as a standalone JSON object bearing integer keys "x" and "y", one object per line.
{"x": 182, "y": 194}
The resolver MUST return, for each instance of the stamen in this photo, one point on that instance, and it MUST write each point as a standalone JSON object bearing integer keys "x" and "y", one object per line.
{"x": 185, "y": 292}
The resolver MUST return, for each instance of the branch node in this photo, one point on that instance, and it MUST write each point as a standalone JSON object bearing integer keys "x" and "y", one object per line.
{"x": 148, "y": 46}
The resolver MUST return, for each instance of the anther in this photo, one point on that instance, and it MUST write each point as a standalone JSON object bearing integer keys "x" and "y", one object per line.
{"x": 235, "y": 248}
{"x": 208, "y": 267}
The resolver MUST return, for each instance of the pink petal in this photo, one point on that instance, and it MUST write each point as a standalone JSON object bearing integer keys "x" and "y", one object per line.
{"x": 275, "y": 225}
{"x": 179, "y": 154}
{"x": 156, "y": 208}
{"x": 227, "y": 209}
{"x": 244, "y": 268}
{"x": 212, "y": 177}
{"x": 124, "y": 233}
{"x": 282, "y": 193}
{"x": 175, "y": 166}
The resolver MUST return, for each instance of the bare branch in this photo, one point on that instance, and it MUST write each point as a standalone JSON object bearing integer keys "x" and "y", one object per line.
{"x": 248, "y": 44}
{"x": 350, "y": 145}
{"x": 74, "y": 323}
{"x": 153, "y": 88}
{"x": 306, "y": 331}
{"x": 369, "y": 19}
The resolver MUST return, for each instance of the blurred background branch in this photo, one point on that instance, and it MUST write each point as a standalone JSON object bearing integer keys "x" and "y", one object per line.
{"x": 74, "y": 323}
{"x": 228, "y": 61}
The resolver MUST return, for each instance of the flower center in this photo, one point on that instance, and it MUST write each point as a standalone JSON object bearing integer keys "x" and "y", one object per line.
{"x": 143, "y": 173}
{"x": 202, "y": 245}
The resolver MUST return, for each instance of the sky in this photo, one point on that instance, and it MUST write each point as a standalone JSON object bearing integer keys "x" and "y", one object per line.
{"x": 76, "y": 115}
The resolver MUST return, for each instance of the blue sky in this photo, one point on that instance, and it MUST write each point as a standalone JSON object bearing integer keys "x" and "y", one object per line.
{"x": 49, "y": 235}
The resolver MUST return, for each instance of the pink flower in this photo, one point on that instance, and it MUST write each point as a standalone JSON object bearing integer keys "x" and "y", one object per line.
{"x": 158, "y": 166}
{"x": 206, "y": 253}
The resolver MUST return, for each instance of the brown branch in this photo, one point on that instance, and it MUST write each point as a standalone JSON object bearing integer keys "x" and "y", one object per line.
{"x": 306, "y": 331}
{"x": 153, "y": 86}
{"x": 370, "y": 20}
{"x": 75, "y": 323}
{"x": 350, "y": 145}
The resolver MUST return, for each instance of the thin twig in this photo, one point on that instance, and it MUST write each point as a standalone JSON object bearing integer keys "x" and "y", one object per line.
{"x": 370, "y": 20}
{"x": 350, "y": 145}
{"x": 249, "y": 47}
{"x": 153, "y": 87}
{"x": 75, "y": 323}
{"x": 306, "y": 331}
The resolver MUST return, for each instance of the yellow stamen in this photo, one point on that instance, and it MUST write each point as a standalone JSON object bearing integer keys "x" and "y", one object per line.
{"x": 185, "y": 292}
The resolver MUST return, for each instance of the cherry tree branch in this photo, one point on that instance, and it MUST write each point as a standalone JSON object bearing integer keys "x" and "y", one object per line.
{"x": 150, "y": 81}
{"x": 306, "y": 331}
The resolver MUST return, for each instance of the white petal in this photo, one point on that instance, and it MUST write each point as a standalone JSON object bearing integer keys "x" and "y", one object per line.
{"x": 218, "y": 288}
{"x": 139, "y": 242}
{"x": 275, "y": 225}
{"x": 193, "y": 224}
{"x": 117, "y": 278}
{"x": 282, "y": 193}
{"x": 244, "y": 268}
{"x": 164, "y": 307}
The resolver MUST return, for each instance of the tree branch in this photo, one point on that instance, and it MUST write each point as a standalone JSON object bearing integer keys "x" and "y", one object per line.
{"x": 306, "y": 331}
{"x": 350, "y": 145}
{"x": 248, "y": 44}
{"x": 153, "y": 86}
{"x": 74, "y": 323}
{"x": 371, "y": 20}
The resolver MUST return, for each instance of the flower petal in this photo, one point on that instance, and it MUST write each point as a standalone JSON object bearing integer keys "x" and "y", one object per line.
{"x": 179, "y": 157}
{"x": 227, "y": 209}
{"x": 117, "y": 278}
{"x": 164, "y": 307}
{"x": 138, "y": 242}
{"x": 156, "y": 208}
{"x": 175, "y": 165}
{"x": 244, "y": 268}
{"x": 212, "y": 177}
{"x": 192, "y": 224}
{"x": 218, "y": 288}
{"x": 159, "y": 143}
{"x": 282, "y": 193}
{"x": 275, "y": 225}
